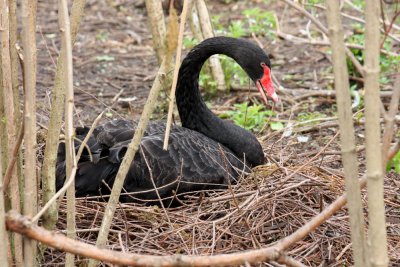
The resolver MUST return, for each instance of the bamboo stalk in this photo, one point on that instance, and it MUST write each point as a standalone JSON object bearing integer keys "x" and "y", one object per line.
{"x": 349, "y": 154}
{"x": 157, "y": 25}
{"x": 58, "y": 96}
{"x": 65, "y": 29}
{"x": 377, "y": 240}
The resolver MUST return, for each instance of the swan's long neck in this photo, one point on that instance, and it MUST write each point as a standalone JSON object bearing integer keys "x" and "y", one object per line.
{"x": 193, "y": 111}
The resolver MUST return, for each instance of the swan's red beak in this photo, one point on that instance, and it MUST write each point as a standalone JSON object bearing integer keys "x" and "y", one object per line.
{"x": 265, "y": 86}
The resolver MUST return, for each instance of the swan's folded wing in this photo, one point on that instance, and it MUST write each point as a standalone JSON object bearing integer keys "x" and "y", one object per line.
{"x": 192, "y": 162}
{"x": 114, "y": 131}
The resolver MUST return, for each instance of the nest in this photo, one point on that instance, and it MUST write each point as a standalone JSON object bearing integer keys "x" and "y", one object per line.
{"x": 271, "y": 203}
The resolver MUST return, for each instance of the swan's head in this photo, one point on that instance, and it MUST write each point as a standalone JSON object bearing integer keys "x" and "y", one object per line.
{"x": 257, "y": 65}
{"x": 265, "y": 85}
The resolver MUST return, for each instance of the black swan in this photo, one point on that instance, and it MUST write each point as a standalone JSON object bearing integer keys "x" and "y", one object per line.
{"x": 205, "y": 153}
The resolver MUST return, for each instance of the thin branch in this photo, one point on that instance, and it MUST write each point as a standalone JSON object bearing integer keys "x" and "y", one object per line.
{"x": 57, "y": 101}
{"x": 390, "y": 119}
{"x": 3, "y": 232}
{"x": 128, "y": 158}
{"x": 299, "y": 40}
{"x": 325, "y": 31}
{"x": 70, "y": 157}
{"x": 14, "y": 157}
{"x": 71, "y": 177}
{"x": 186, "y": 5}
{"x": 20, "y": 224}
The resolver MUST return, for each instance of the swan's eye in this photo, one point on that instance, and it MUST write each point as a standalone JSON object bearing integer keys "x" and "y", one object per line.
{"x": 262, "y": 64}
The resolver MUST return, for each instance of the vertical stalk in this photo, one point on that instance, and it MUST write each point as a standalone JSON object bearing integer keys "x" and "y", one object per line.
{"x": 3, "y": 152}
{"x": 15, "y": 87}
{"x": 128, "y": 158}
{"x": 186, "y": 5}
{"x": 349, "y": 157}
{"x": 3, "y": 231}
{"x": 65, "y": 29}
{"x": 58, "y": 97}
{"x": 208, "y": 32}
{"x": 157, "y": 25}
{"x": 376, "y": 209}
{"x": 12, "y": 5}
{"x": 10, "y": 120}
{"x": 28, "y": 17}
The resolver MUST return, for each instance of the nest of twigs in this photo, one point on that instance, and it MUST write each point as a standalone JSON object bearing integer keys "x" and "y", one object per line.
{"x": 271, "y": 203}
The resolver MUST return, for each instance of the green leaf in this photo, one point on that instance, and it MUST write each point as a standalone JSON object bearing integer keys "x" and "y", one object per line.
{"x": 276, "y": 126}
{"x": 105, "y": 58}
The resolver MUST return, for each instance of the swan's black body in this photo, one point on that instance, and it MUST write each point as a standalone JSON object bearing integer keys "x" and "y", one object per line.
{"x": 205, "y": 153}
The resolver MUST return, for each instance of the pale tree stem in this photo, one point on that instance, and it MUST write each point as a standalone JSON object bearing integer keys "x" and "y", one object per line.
{"x": 378, "y": 254}
{"x": 11, "y": 122}
{"x": 3, "y": 232}
{"x": 208, "y": 32}
{"x": 349, "y": 156}
{"x": 15, "y": 61}
{"x": 157, "y": 26}
{"x": 65, "y": 29}
{"x": 28, "y": 18}
{"x": 57, "y": 101}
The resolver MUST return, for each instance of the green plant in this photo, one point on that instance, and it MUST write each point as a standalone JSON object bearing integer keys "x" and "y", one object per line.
{"x": 207, "y": 82}
{"x": 251, "y": 117}
{"x": 260, "y": 22}
{"x": 394, "y": 163}
{"x": 233, "y": 72}
{"x": 236, "y": 29}
{"x": 310, "y": 116}
{"x": 189, "y": 42}
{"x": 386, "y": 61}
{"x": 105, "y": 58}
{"x": 315, "y": 2}
{"x": 102, "y": 36}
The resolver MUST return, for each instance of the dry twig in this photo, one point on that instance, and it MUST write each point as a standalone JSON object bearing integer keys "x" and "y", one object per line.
{"x": 325, "y": 31}
{"x": 186, "y": 5}
{"x": 126, "y": 162}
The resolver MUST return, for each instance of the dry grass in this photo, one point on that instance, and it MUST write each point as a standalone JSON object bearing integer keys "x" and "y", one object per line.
{"x": 261, "y": 209}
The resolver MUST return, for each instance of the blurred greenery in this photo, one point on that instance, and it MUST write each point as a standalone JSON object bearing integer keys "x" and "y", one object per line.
{"x": 251, "y": 117}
